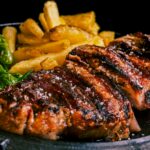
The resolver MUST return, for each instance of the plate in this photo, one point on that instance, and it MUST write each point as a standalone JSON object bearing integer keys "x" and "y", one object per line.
{"x": 16, "y": 142}
{"x": 137, "y": 141}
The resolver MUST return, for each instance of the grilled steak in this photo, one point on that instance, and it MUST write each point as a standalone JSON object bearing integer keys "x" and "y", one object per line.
{"x": 134, "y": 51}
{"x": 66, "y": 101}
{"x": 86, "y": 98}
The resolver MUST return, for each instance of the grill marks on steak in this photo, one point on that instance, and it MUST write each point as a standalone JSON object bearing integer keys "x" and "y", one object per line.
{"x": 87, "y": 97}
{"x": 137, "y": 52}
{"x": 66, "y": 102}
{"x": 109, "y": 85}
{"x": 137, "y": 44}
{"x": 135, "y": 48}
{"x": 118, "y": 68}
{"x": 114, "y": 62}
{"x": 60, "y": 103}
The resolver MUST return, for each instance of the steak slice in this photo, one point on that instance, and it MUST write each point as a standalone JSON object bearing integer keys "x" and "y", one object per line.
{"x": 135, "y": 49}
{"x": 68, "y": 101}
{"x": 120, "y": 70}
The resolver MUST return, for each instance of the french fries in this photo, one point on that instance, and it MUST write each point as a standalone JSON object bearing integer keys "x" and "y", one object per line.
{"x": 73, "y": 34}
{"x": 49, "y": 64}
{"x": 28, "y": 52}
{"x": 44, "y": 48}
{"x": 30, "y": 27}
{"x": 43, "y": 22}
{"x": 108, "y": 36}
{"x": 97, "y": 40}
{"x": 30, "y": 40}
{"x": 35, "y": 63}
{"x": 94, "y": 28}
{"x": 10, "y": 35}
{"x": 85, "y": 21}
{"x": 62, "y": 21}
{"x": 51, "y": 14}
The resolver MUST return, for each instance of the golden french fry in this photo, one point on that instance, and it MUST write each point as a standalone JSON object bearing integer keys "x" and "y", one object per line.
{"x": 94, "y": 29}
{"x": 29, "y": 52}
{"x": 97, "y": 40}
{"x": 85, "y": 21}
{"x": 24, "y": 29}
{"x": 47, "y": 61}
{"x": 108, "y": 36}
{"x": 62, "y": 21}
{"x": 43, "y": 22}
{"x": 32, "y": 28}
{"x": 30, "y": 39}
{"x": 51, "y": 14}
{"x": 33, "y": 64}
{"x": 48, "y": 64}
{"x": 36, "y": 64}
{"x": 10, "y": 35}
{"x": 73, "y": 34}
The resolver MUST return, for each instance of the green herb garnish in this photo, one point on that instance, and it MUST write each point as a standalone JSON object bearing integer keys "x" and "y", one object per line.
{"x": 9, "y": 79}
{"x": 6, "y": 60}
{"x": 5, "y": 54}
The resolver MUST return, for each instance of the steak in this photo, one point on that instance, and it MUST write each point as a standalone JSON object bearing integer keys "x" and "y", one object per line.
{"x": 134, "y": 50}
{"x": 67, "y": 101}
{"x": 86, "y": 98}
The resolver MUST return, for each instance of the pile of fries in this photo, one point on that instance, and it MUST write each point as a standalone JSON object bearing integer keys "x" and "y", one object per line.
{"x": 45, "y": 45}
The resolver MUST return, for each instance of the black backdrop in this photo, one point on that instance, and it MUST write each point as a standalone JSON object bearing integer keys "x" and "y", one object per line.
{"x": 122, "y": 16}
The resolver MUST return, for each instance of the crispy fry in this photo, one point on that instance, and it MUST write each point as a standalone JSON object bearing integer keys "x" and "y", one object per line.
{"x": 43, "y": 22}
{"x": 10, "y": 35}
{"x": 26, "y": 65}
{"x": 51, "y": 14}
{"x": 62, "y": 34}
{"x": 97, "y": 40}
{"x": 24, "y": 29}
{"x": 85, "y": 21}
{"x": 30, "y": 39}
{"x": 73, "y": 34}
{"x": 49, "y": 64}
{"x": 94, "y": 29}
{"x": 108, "y": 36}
{"x": 32, "y": 28}
{"x": 62, "y": 21}
{"x": 29, "y": 52}
{"x": 36, "y": 64}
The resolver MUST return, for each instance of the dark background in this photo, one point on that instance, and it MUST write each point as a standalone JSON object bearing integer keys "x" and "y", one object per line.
{"x": 121, "y": 16}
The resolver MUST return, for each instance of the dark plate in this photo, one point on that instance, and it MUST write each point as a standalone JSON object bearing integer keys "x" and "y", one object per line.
{"x": 16, "y": 142}
{"x": 137, "y": 141}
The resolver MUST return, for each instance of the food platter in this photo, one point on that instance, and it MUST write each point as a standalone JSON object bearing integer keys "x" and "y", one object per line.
{"x": 141, "y": 140}
{"x": 44, "y": 44}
